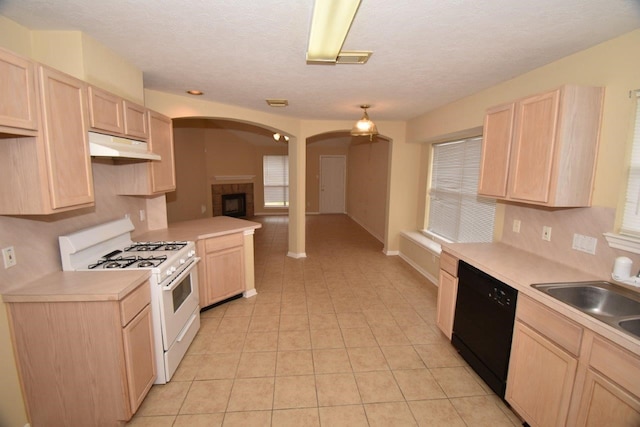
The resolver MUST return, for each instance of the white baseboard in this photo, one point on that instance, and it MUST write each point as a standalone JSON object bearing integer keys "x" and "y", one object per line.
{"x": 250, "y": 293}
{"x": 390, "y": 253}
{"x": 419, "y": 269}
{"x": 297, "y": 255}
{"x": 270, "y": 213}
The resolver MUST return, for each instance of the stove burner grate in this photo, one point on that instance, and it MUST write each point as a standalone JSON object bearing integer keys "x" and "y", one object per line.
{"x": 155, "y": 246}
{"x": 129, "y": 262}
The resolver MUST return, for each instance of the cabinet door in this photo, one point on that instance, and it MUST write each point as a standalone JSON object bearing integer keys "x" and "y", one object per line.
{"x": 17, "y": 92}
{"x": 496, "y": 149}
{"x": 447, "y": 293}
{"x": 225, "y": 274}
{"x": 68, "y": 162}
{"x": 140, "y": 364}
{"x": 605, "y": 403}
{"x": 105, "y": 111}
{"x": 135, "y": 120}
{"x": 163, "y": 175}
{"x": 533, "y": 147}
{"x": 540, "y": 380}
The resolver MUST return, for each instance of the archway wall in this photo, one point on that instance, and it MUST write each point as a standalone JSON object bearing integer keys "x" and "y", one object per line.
{"x": 404, "y": 165}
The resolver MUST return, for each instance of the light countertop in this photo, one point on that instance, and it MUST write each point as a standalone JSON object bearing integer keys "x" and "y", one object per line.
{"x": 64, "y": 286}
{"x": 199, "y": 229}
{"x": 520, "y": 269}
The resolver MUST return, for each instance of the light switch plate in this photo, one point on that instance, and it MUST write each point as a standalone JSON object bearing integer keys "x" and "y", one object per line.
{"x": 546, "y": 233}
{"x": 9, "y": 257}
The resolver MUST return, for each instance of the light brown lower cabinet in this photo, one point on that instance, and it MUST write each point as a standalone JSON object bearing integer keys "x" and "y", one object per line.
{"x": 562, "y": 374}
{"x": 221, "y": 273}
{"x": 447, "y": 294}
{"x": 541, "y": 376}
{"x": 84, "y": 363}
{"x": 610, "y": 392}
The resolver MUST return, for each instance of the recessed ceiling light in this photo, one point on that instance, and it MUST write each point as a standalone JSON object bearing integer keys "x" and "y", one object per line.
{"x": 195, "y": 92}
{"x": 277, "y": 102}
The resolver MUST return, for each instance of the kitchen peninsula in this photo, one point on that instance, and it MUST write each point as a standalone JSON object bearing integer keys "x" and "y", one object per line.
{"x": 225, "y": 245}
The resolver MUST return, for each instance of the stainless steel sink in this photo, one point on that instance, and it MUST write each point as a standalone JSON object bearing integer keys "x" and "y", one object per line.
{"x": 631, "y": 325}
{"x": 605, "y": 301}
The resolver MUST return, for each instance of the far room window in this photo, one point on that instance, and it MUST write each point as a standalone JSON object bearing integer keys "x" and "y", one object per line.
{"x": 276, "y": 181}
{"x": 456, "y": 212}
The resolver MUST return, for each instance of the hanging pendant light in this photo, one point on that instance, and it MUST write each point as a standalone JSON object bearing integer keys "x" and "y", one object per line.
{"x": 364, "y": 126}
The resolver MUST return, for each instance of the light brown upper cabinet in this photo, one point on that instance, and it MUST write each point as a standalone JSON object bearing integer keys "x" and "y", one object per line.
{"x": 50, "y": 172}
{"x": 111, "y": 114}
{"x": 135, "y": 120}
{"x": 18, "y": 109}
{"x": 148, "y": 178}
{"x": 105, "y": 111}
{"x": 542, "y": 149}
{"x": 163, "y": 173}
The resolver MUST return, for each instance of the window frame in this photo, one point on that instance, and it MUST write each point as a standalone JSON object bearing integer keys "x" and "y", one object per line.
{"x": 272, "y": 183}
{"x": 458, "y": 192}
{"x": 628, "y": 237}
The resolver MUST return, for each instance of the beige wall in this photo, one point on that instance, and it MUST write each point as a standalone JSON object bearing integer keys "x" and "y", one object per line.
{"x": 613, "y": 64}
{"x": 192, "y": 191}
{"x": 367, "y": 185}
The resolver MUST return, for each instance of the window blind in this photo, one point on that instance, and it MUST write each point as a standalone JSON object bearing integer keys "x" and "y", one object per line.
{"x": 631, "y": 219}
{"x": 456, "y": 212}
{"x": 276, "y": 180}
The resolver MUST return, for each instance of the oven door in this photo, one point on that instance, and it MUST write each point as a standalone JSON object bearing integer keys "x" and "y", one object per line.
{"x": 178, "y": 300}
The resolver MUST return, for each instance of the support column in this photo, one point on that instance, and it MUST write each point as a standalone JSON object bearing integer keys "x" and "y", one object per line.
{"x": 297, "y": 201}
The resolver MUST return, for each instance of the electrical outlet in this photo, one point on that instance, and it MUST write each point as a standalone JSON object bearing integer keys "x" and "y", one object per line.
{"x": 546, "y": 233}
{"x": 143, "y": 214}
{"x": 584, "y": 243}
{"x": 516, "y": 225}
{"x": 9, "y": 257}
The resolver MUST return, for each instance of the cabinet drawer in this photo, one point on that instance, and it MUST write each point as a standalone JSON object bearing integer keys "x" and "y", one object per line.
{"x": 552, "y": 325}
{"x": 134, "y": 302}
{"x": 616, "y": 363}
{"x": 223, "y": 242}
{"x": 449, "y": 263}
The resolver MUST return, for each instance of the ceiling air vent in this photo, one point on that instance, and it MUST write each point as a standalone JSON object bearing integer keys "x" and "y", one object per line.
{"x": 353, "y": 57}
{"x": 277, "y": 102}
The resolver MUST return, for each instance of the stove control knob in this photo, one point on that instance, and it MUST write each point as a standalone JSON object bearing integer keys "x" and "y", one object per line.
{"x": 182, "y": 260}
{"x": 173, "y": 269}
{"x": 191, "y": 253}
{"x": 168, "y": 272}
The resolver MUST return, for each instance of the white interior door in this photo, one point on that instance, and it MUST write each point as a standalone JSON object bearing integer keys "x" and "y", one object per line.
{"x": 333, "y": 177}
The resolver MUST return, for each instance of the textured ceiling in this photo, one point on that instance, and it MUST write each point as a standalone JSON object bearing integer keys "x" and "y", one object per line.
{"x": 426, "y": 52}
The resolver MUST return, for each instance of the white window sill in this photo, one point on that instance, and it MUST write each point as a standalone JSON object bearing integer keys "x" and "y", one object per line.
{"x": 624, "y": 242}
{"x": 423, "y": 241}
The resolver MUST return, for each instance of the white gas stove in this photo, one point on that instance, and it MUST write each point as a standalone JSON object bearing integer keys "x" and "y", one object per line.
{"x": 174, "y": 281}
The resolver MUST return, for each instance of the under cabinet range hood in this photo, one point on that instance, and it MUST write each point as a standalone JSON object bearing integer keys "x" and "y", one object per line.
{"x": 101, "y": 145}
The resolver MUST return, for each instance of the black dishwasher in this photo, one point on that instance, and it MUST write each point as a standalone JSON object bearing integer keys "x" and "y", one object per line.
{"x": 483, "y": 324}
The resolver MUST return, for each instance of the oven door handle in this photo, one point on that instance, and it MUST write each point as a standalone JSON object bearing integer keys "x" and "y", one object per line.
{"x": 186, "y": 328}
{"x": 176, "y": 281}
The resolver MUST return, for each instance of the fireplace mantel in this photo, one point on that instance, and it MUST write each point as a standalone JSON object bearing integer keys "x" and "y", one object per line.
{"x": 233, "y": 177}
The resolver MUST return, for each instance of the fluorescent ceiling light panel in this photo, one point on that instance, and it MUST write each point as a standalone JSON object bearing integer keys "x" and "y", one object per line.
{"x": 329, "y": 27}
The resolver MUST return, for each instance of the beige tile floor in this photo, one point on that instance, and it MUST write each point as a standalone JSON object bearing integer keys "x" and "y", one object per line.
{"x": 345, "y": 337}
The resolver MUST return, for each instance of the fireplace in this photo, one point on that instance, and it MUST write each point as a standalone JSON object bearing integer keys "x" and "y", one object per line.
{"x": 218, "y": 191}
{"x": 234, "y": 205}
